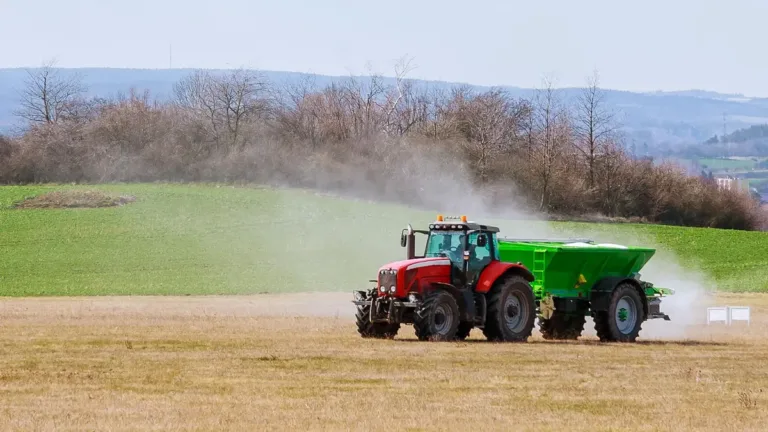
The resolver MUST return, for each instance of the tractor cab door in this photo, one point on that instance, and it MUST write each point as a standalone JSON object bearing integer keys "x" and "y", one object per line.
{"x": 450, "y": 245}
{"x": 480, "y": 250}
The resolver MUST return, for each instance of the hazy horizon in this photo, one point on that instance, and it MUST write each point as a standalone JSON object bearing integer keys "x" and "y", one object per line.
{"x": 705, "y": 45}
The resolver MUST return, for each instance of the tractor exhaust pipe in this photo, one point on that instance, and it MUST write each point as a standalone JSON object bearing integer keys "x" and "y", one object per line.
{"x": 408, "y": 241}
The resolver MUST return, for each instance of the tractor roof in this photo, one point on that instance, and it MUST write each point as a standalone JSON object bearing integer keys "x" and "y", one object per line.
{"x": 459, "y": 224}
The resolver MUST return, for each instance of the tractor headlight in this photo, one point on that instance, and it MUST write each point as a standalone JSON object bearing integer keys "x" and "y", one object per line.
{"x": 383, "y": 289}
{"x": 392, "y": 289}
{"x": 412, "y": 298}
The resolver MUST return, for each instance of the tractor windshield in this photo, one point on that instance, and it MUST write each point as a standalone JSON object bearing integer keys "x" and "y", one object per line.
{"x": 446, "y": 243}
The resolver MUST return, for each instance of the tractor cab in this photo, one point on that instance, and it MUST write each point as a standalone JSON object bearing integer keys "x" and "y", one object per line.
{"x": 469, "y": 246}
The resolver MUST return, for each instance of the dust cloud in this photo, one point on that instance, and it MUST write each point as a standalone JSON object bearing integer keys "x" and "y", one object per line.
{"x": 345, "y": 240}
{"x": 687, "y": 307}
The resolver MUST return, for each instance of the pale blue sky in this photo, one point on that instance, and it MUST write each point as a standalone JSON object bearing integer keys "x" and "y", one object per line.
{"x": 645, "y": 45}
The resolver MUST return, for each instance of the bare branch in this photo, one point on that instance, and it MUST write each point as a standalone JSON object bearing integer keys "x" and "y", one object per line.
{"x": 594, "y": 127}
{"x": 402, "y": 68}
{"x": 48, "y": 97}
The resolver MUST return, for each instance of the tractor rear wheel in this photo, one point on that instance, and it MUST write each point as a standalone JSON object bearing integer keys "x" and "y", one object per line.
{"x": 511, "y": 311}
{"x": 438, "y": 317}
{"x": 624, "y": 318}
{"x": 367, "y": 329}
{"x": 463, "y": 331}
{"x": 562, "y": 326}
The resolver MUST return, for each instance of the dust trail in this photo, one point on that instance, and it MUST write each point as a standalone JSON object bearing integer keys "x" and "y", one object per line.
{"x": 345, "y": 240}
{"x": 687, "y": 307}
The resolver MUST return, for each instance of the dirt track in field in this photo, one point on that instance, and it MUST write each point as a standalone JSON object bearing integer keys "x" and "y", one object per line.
{"x": 295, "y": 305}
{"x": 686, "y": 323}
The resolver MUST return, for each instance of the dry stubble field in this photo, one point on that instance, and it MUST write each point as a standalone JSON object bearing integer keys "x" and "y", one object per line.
{"x": 294, "y": 362}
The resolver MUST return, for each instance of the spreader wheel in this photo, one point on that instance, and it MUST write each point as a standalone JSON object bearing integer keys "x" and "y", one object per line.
{"x": 438, "y": 317}
{"x": 562, "y": 326}
{"x": 367, "y": 329}
{"x": 511, "y": 311}
{"x": 624, "y": 318}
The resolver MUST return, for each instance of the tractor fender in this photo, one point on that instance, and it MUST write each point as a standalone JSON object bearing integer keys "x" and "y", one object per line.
{"x": 497, "y": 269}
{"x": 464, "y": 298}
{"x": 600, "y": 295}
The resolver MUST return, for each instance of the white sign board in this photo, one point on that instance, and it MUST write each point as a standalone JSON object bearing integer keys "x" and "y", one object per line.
{"x": 728, "y": 314}
{"x": 719, "y": 313}
{"x": 739, "y": 313}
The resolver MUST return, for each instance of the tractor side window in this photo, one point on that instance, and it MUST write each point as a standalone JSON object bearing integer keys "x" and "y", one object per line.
{"x": 482, "y": 253}
{"x": 479, "y": 255}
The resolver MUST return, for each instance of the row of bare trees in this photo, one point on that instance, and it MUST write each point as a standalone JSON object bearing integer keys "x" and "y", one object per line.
{"x": 384, "y": 138}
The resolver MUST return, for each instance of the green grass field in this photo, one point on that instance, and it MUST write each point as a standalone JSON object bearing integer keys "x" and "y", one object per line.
{"x": 728, "y": 164}
{"x": 208, "y": 239}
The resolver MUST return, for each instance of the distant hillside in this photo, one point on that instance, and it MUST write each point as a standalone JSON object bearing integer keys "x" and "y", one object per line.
{"x": 659, "y": 123}
{"x": 757, "y": 132}
{"x": 750, "y": 141}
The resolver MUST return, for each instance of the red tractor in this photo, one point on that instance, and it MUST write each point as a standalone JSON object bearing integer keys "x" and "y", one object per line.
{"x": 458, "y": 284}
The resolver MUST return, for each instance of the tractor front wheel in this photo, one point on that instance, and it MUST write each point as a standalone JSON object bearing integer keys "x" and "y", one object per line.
{"x": 438, "y": 317}
{"x": 624, "y": 317}
{"x": 367, "y": 329}
{"x": 511, "y": 311}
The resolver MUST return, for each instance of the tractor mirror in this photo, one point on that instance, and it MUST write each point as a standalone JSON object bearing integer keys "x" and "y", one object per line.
{"x": 482, "y": 240}
{"x": 402, "y": 240}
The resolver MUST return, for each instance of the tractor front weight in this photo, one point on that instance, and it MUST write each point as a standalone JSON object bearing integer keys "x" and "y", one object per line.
{"x": 383, "y": 309}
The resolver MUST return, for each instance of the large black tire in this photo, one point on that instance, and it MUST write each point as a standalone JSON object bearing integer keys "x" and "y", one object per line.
{"x": 562, "y": 326}
{"x": 511, "y": 311}
{"x": 624, "y": 318}
{"x": 463, "y": 331}
{"x": 438, "y": 317}
{"x": 368, "y": 329}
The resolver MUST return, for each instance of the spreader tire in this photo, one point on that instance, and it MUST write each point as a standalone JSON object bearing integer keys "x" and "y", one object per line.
{"x": 368, "y": 329}
{"x": 511, "y": 311}
{"x": 624, "y": 318}
{"x": 438, "y": 317}
{"x": 562, "y": 326}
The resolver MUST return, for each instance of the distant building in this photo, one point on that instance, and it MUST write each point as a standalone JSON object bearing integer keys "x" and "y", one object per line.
{"x": 725, "y": 182}
{"x": 732, "y": 183}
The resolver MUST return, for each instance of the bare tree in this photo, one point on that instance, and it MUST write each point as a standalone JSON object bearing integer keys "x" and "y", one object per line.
{"x": 593, "y": 127}
{"x": 48, "y": 97}
{"x": 225, "y": 101}
{"x": 491, "y": 123}
{"x": 363, "y": 103}
{"x": 6, "y": 152}
{"x": 297, "y": 111}
{"x": 549, "y": 137}
{"x": 401, "y": 118}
